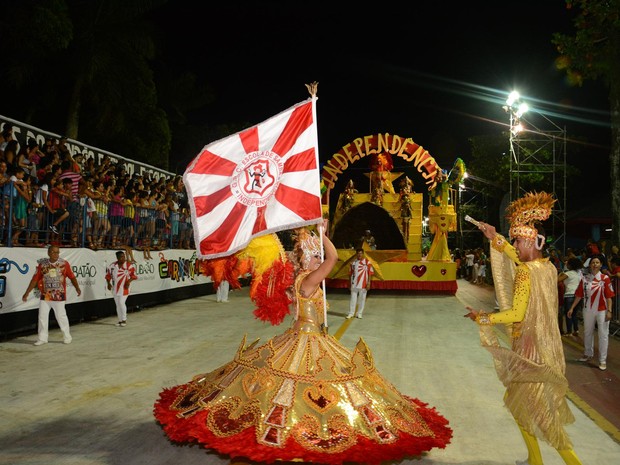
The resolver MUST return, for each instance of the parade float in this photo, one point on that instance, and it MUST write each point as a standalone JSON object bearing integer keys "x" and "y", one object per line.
{"x": 393, "y": 216}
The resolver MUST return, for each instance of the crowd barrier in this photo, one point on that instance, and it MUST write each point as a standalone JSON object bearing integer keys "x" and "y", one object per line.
{"x": 171, "y": 274}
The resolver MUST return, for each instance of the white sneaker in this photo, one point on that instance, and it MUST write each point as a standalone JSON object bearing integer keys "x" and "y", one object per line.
{"x": 585, "y": 358}
{"x": 40, "y": 343}
{"x": 359, "y": 316}
{"x": 348, "y": 317}
{"x": 119, "y": 324}
{"x": 123, "y": 323}
{"x": 602, "y": 366}
{"x": 67, "y": 341}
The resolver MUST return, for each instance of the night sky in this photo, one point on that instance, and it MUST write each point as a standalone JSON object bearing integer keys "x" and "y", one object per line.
{"x": 436, "y": 73}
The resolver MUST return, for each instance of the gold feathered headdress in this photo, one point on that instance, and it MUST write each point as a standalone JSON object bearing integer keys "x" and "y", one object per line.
{"x": 523, "y": 212}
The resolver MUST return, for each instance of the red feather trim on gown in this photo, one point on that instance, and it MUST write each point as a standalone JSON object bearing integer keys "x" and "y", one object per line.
{"x": 301, "y": 396}
{"x": 243, "y": 444}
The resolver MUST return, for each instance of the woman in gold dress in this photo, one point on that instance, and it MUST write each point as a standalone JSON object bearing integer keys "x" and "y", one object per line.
{"x": 302, "y": 395}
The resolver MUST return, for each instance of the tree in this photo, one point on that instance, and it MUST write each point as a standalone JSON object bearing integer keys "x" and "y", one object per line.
{"x": 594, "y": 53}
{"x": 87, "y": 64}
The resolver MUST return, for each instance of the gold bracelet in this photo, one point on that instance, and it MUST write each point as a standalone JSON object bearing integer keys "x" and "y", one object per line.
{"x": 483, "y": 319}
{"x": 499, "y": 243}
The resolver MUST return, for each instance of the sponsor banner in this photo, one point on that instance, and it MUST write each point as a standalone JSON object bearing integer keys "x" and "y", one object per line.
{"x": 169, "y": 269}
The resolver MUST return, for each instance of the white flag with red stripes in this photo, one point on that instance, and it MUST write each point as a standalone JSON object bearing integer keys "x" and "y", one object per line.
{"x": 261, "y": 180}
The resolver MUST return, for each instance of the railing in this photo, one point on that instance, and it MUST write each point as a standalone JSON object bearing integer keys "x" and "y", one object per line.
{"x": 138, "y": 227}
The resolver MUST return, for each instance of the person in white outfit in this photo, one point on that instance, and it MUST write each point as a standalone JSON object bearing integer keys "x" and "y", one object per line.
{"x": 596, "y": 290}
{"x": 360, "y": 272}
{"x": 51, "y": 278}
{"x": 222, "y": 291}
{"x": 121, "y": 274}
{"x": 571, "y": 279}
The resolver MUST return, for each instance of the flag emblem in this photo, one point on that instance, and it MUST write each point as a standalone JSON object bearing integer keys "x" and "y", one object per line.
{"x": 260, "y": 182}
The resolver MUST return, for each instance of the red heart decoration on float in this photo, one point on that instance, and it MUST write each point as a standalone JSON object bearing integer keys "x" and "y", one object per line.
{"x": 418, "y": 270}
{"x": 443, "y": 271}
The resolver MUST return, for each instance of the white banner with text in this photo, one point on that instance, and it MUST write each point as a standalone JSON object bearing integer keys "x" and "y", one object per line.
{"x": 169, "y": 269}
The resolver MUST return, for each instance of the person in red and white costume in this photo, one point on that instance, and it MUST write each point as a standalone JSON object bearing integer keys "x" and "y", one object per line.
{"x": 120, "y": 275}
{"x": 51, "y": 279}
{"x": 596, "y": 290}
{"x": 360, "y": 272}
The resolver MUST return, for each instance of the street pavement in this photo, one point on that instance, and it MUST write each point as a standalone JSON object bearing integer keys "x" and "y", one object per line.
{"x": 91, "y": 402}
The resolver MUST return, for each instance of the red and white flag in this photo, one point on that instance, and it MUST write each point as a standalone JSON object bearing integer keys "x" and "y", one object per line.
{"x": 261, "y": 180}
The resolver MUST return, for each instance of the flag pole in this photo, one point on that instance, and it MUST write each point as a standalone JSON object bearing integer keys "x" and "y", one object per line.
{"x": 312, "y": 90}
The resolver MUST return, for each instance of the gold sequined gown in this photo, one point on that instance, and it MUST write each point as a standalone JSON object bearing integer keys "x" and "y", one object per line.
{"x": 301, "y": 396}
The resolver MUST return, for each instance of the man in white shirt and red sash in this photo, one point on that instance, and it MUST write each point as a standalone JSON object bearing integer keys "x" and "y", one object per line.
{"x": 120, "y": 274}
{"x": 596, "y": 291}
{"x": 360, "y": 272}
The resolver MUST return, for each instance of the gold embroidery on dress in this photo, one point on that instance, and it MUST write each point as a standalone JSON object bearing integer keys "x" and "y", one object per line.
{"x": 230, "y": 417}
{"x": 257, "y": 382}
{"x": 321, "y": 397}
{"x": 336, "y": 437}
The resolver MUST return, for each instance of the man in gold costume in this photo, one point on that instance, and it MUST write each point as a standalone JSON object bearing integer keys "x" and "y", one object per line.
{"x": 533, "y": 369}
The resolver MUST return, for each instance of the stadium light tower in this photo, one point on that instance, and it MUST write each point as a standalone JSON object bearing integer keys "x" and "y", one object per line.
{"x": 516, "y": 108}
{"x": 538, "y": 146}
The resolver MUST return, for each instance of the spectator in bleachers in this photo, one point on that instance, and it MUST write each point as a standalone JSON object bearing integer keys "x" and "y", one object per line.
{"x": 7, "y": 136}
{"x": 117, "y": 213}
{"x": 50, "y": 146}
{"x": 88, "y": 165}
{"x": 10, "y": 153}
{"x": 67, "y": 171}
{"x": 128, "y": 223}
{"x": 45, "y": 187}
{"x": 35, "y": 214}
{"x": 76, "y": 161}
{"x": 185, "y": 229}
{"x": 21, "y": 182}
{"x": 162, "y": 223}
{"x": 63, "y": 148}
{"x": 101, "y": 223}
{"x": 144, "y": 226}
{"x": 173, "y": 219}
{"x": 4, "y": 185}
{"x": 25, "y": 157}
{"x": 59, "y": 198}
{"x": 87, "y": 198}
{"x": 105, "y": 170}
{"x": 73, "y": 206}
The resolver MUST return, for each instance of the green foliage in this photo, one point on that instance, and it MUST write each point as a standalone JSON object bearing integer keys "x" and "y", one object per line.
{"x": 491, "y": 161}
{"x": 593, "y": 51}
{"x": 88, "y": 74}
